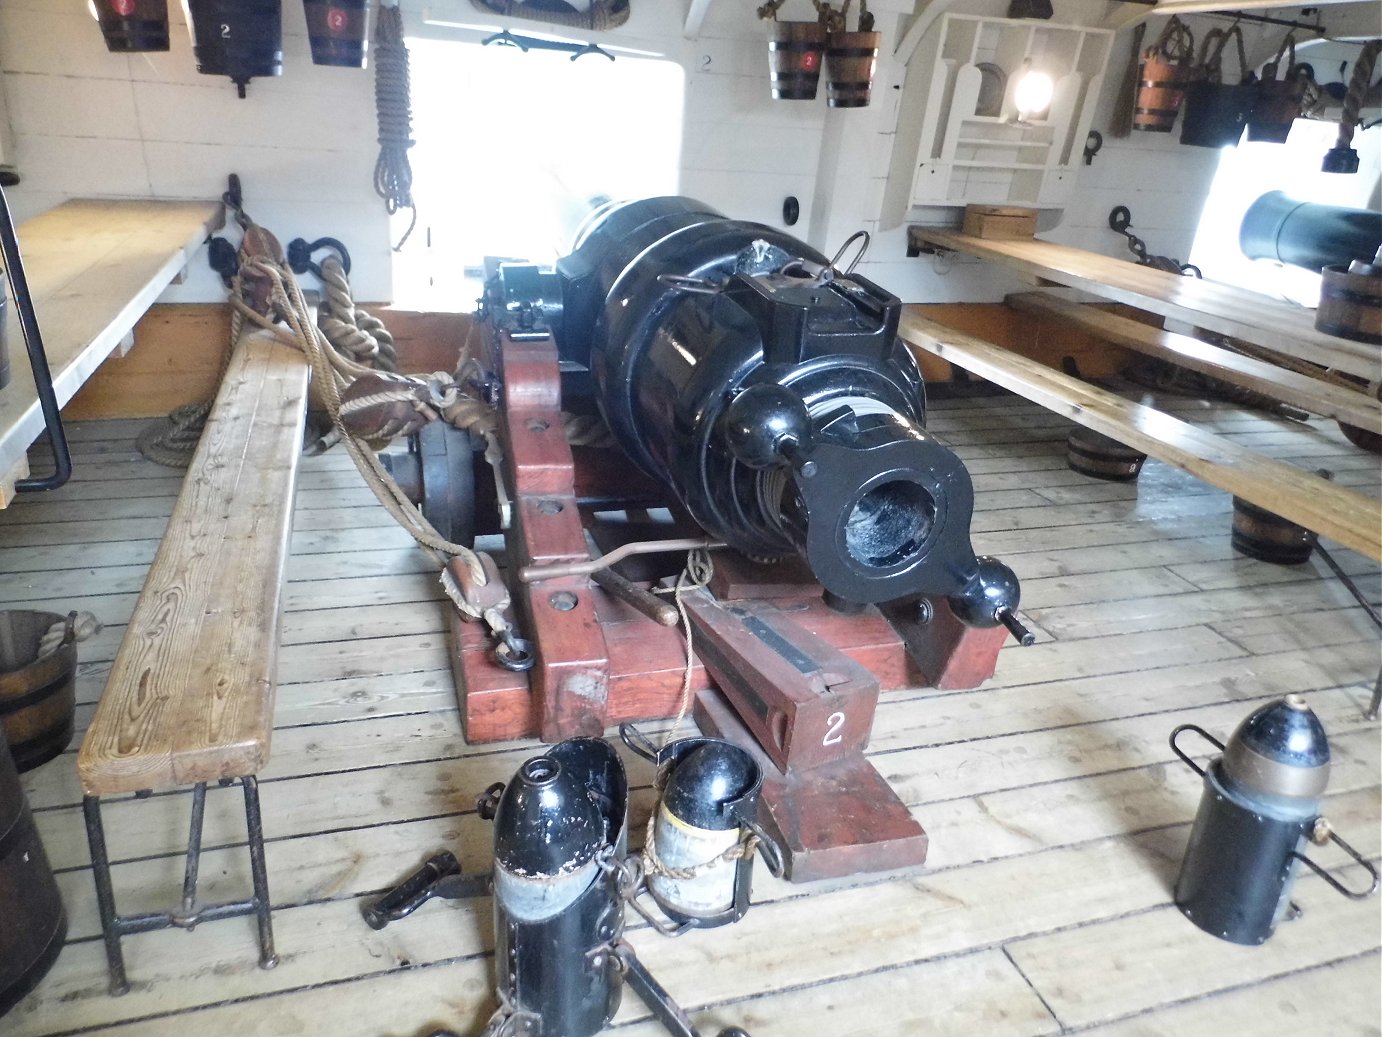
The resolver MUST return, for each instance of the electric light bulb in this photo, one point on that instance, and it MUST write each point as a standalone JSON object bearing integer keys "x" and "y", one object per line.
{"x": 1033, "y": 91}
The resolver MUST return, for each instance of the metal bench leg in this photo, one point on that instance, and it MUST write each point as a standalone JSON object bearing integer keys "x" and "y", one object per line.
{"x": 105, "y": 894}
{"x": 268, "y": 958}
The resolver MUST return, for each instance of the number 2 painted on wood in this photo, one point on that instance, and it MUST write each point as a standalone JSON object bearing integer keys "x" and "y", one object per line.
{"x": 834, "y": 729}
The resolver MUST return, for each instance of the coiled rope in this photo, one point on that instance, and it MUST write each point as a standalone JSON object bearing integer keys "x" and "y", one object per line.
{"x": 393, "y": 175}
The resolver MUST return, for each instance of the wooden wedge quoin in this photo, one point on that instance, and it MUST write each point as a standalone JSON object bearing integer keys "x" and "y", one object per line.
{"x": 190, "y": 695}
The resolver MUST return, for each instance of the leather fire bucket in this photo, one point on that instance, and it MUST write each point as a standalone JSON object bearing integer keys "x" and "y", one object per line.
{"x": 1215, "y": 111}
{"x": 133, "y": 25}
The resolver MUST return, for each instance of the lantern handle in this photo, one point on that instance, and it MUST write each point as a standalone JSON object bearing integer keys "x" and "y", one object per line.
{"x": 1203, "y": 734}
{"x": 1352, "y": 894}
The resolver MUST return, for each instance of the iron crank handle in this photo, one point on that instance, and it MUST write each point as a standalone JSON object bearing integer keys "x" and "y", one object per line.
{"x": 1203, "y": 734}
{"x": 1352, "y": 894}
{"x": 412, "y": 892}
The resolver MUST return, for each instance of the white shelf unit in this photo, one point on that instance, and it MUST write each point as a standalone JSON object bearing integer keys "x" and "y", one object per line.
{"x": 946, "y": 154}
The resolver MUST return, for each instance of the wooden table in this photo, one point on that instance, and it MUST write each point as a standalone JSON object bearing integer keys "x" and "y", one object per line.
{"x": 94, "y": 267}
{"x": 1248, "y": 316}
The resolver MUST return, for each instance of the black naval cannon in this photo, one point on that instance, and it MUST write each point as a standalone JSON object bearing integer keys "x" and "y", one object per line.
{"x": 769, "y": 391}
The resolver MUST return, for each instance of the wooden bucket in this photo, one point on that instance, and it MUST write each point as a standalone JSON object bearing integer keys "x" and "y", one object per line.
{"x": 1351, "y": 302}
{"x": 1160, "y": 92}
{"x": 795, "y": 51}
{"x": 33, "y": 924}
{"x": 37, "y": 696}
{"x": 338, "y": 31}
{"x": 131, "y": 26}
{"x": 1260, "y": 534}
{"x": 850, "y": 61}
{"x": 1100, "y": 457}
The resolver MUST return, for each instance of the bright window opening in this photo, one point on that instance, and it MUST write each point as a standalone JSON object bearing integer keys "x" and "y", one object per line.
{"x": 1251, "y": 170}
{"x": 514, "y": 149}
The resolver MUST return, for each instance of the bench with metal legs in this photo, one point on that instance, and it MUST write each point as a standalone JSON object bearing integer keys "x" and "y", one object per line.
{"x": 114, "y": 926}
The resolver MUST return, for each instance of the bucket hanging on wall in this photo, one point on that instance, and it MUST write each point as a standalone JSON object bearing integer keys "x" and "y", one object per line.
{"x": 338, "y": 31}
{"x": 795, "y": 53}
{"x": 236, "y": 38}
{"x": 1215, "y": 111}
{"x": 1278, "y": 101}
{"x": 133, "y": 25}
{"x": 850, "y": 61}
{"x": 1166, "y": 72}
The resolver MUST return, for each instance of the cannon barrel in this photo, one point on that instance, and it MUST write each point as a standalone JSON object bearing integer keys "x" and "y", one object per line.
{"x": 1308, "y": 235}
{"x": 770, "y": 392}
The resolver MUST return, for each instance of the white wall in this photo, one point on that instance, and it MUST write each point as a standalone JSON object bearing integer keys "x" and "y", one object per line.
{"x": 88, "y": 122}
{"x": 91, "y": 123}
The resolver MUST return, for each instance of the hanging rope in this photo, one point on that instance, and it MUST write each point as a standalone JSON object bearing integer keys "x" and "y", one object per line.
{"x": 393, "y": 176}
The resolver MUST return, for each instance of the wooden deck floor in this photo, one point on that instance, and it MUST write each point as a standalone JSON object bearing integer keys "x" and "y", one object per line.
{"x": 1056, "y": 812}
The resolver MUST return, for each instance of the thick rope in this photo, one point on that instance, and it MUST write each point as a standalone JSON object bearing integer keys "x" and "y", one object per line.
{"x": 305, "y": 336}
{"x": 81, "y": 625}
{"x": 1357, "y": 87}
{"x": 393, "y": 175}
{"x": 350, "y": 329}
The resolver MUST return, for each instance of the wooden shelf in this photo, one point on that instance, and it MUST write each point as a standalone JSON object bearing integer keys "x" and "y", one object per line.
{"x": 94, "y": 267}
{"x": 1258, "y": 319}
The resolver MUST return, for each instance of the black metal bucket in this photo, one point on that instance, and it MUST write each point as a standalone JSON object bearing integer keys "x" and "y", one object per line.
{"x": 131, "y": 26}
{"x": 338, "y": 31}
{"x": 237, "y": 38}
{"x": 37, "y": 695}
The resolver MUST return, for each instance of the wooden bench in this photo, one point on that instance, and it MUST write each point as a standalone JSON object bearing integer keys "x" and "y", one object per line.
{"x": 1347, "y": 516}
{"x": 190, "y": 695}
{"x": 1272, "y": 324}
{"x": 1301, "y": 390}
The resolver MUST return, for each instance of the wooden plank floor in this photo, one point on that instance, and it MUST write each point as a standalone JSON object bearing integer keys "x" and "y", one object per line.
{"x": 1056, "y": 811}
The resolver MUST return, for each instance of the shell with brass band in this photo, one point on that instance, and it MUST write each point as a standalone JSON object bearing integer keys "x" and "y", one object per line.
{"x": 1260, "y": 808}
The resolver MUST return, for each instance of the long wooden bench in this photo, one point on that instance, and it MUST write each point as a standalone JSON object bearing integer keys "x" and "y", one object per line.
{"x": 1353, "y": 519}
{"x": 1311, "y": 394}
{"x": 189, "y": 699}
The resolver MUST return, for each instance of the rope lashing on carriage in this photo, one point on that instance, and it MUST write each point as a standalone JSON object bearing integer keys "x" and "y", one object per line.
{"x": 351, "y": 330}
{"x": 393, "y": 174}
{"x": 478, "y": 593}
